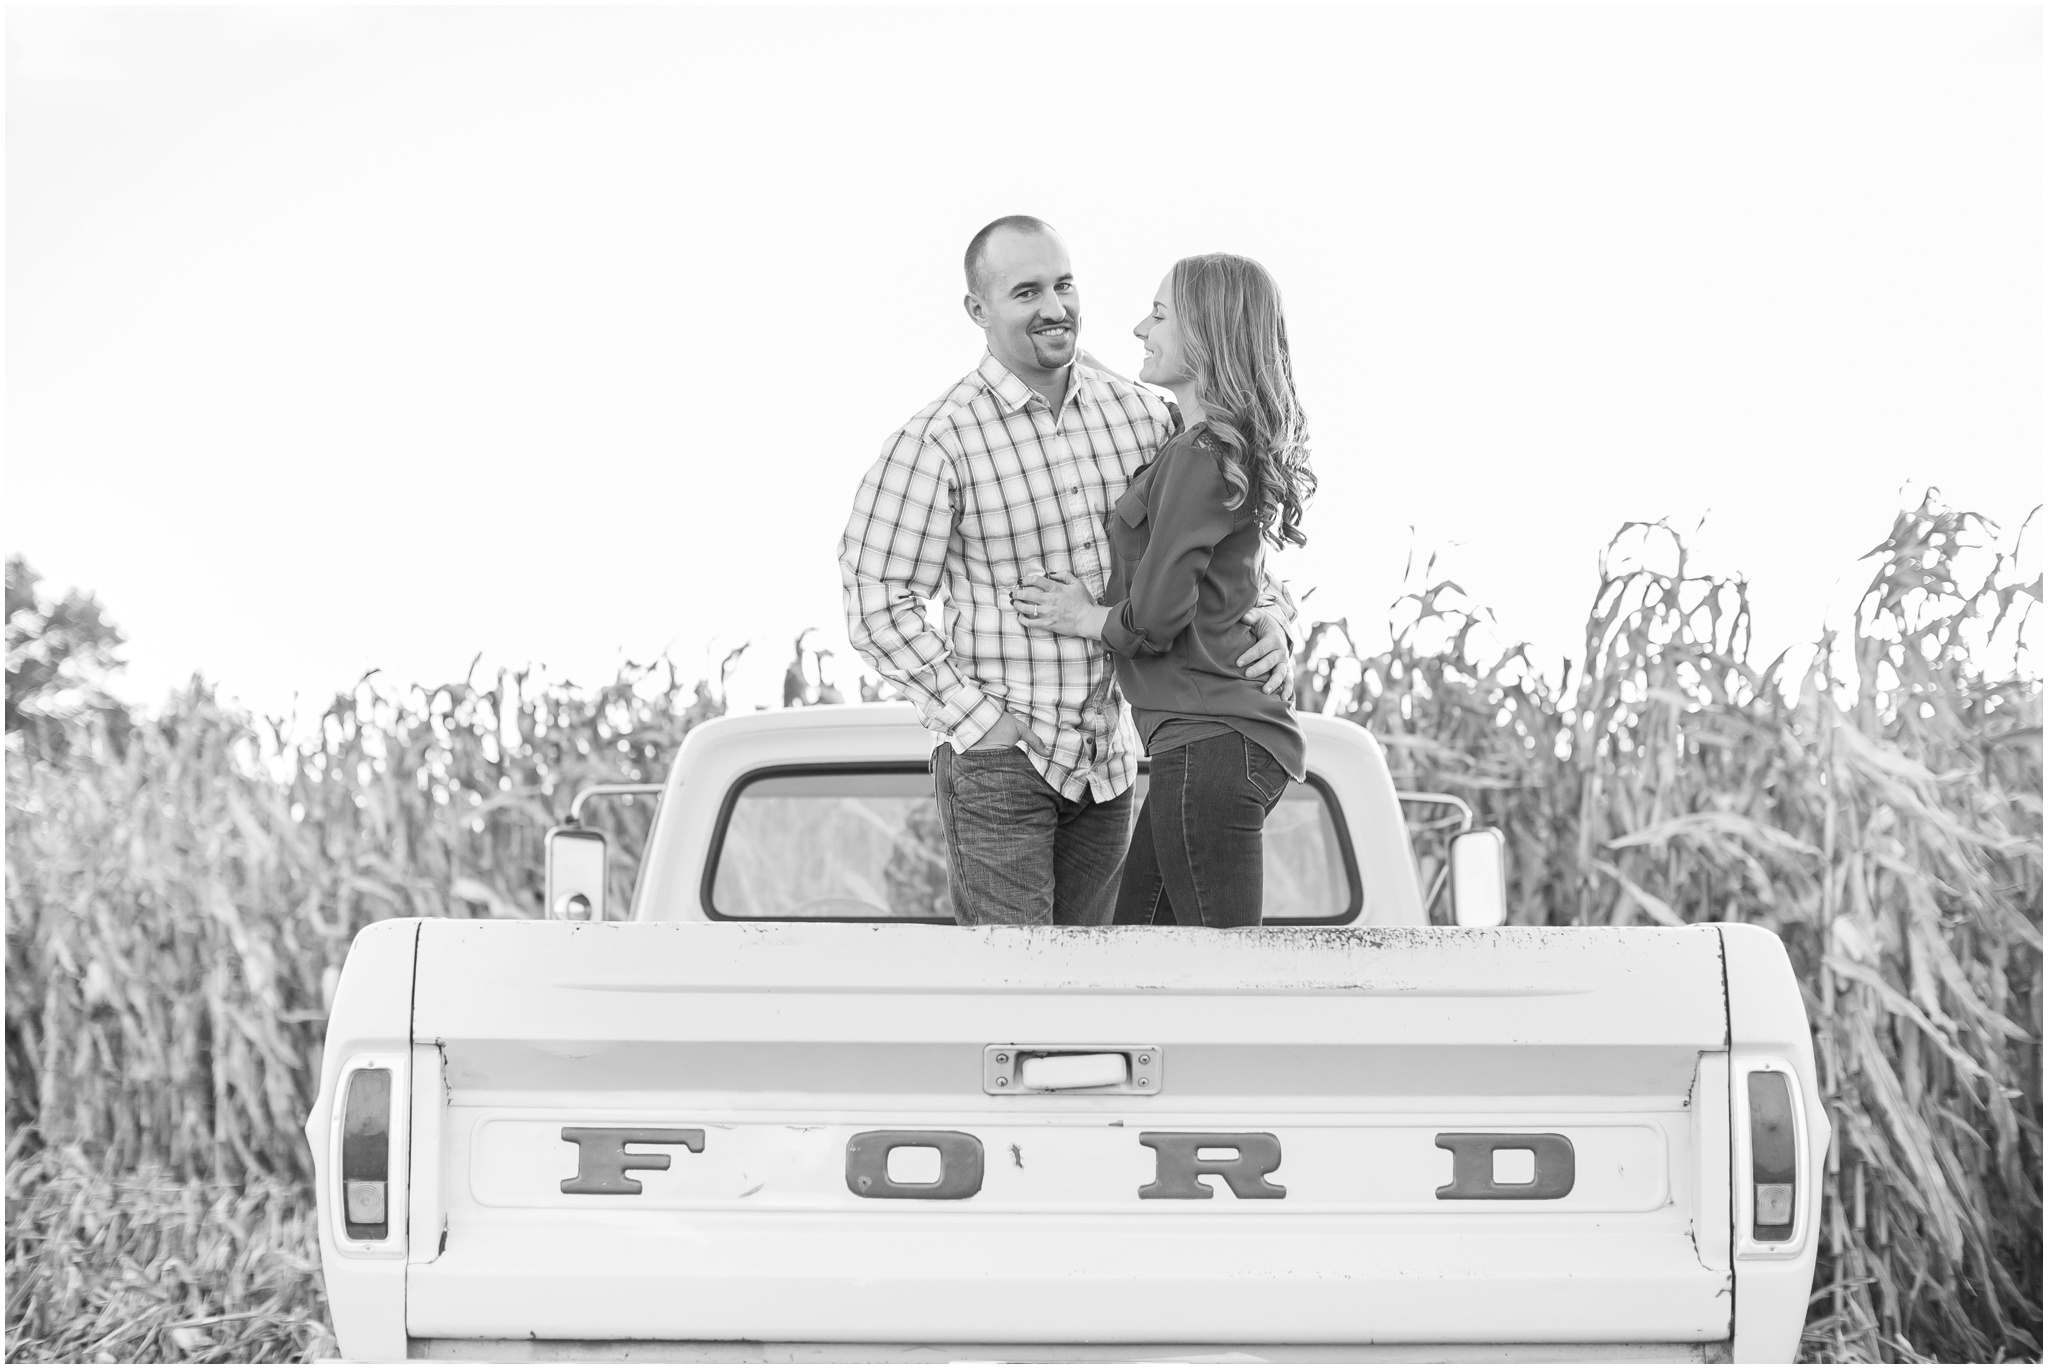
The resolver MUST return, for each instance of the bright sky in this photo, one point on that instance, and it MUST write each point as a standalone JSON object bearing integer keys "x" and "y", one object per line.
{"x": 382, "y": 337}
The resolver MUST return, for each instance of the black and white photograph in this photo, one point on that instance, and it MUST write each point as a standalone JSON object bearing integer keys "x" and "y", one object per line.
{"x": 1024, "y": 683}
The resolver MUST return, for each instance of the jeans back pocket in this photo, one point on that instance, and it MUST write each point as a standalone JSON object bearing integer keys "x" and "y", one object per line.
{"x": 1263, "y": 771}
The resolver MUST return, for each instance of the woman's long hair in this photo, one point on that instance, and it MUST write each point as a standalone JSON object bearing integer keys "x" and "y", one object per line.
{"x": 1235, "y": 341}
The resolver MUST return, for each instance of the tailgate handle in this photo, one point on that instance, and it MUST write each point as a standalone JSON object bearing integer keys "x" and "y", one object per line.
{"x": 1074, "y": 1071}
{"x": 1018, "y": 1068}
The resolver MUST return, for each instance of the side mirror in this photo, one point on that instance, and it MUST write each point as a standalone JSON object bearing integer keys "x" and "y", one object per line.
{"x": 576, "y": 861}
{"x": 1479, "y": 881}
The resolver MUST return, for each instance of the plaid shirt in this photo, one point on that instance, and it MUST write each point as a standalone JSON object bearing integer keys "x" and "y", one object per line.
{"x": 982, "y": 488}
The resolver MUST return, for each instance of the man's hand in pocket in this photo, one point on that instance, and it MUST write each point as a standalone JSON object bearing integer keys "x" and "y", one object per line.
{"x": 1008, "y": 731}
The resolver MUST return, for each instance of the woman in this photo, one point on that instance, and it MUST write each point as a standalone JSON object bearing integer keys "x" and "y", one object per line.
{"x": 1188, "y": 549}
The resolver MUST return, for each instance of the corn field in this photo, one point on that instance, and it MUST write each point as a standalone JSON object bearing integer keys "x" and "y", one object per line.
{"x": 181, "y": 892}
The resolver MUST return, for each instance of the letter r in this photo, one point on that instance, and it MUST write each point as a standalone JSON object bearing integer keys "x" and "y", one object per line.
{"x": 1258, "y": 1154}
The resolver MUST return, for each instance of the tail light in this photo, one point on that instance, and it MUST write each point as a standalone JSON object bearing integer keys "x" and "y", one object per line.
{"x": 366, "y": 1156}
{"x": 1773, "y": 1212}
{"x": 1773, "y": 1157}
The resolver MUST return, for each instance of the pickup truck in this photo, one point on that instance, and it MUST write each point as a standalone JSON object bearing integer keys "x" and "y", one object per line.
{"x": 783, "y": 1109}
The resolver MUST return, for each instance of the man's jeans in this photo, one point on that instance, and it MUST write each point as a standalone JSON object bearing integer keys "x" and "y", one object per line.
{"x": 1199, "y": 857}
{"x": 1016, "y": 851}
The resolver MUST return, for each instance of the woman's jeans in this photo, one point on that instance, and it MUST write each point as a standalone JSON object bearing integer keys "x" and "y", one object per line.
{"x": 1198, "y": 855}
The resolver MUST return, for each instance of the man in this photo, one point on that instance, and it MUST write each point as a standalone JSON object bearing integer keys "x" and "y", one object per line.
{"x": 1008, "y": 475}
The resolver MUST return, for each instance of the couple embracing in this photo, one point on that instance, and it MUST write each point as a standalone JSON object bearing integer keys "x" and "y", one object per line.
{"x": 1090, "y": 537}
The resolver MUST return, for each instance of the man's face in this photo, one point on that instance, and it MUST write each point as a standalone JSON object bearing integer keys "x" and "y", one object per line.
{"x": 1028, "y": 303}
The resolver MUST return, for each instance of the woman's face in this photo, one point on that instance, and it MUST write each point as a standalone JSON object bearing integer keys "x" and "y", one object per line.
{"x": 1165, "y": 361}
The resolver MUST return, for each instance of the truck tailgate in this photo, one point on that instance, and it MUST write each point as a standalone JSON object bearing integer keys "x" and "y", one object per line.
{"x": 682, "y": 1131}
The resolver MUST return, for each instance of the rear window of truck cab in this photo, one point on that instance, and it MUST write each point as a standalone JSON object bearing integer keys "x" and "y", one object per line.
{"x": 862, "y": 843}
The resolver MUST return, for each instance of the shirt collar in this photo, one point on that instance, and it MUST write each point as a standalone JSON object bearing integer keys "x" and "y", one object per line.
{"x": 1014, "y": 394}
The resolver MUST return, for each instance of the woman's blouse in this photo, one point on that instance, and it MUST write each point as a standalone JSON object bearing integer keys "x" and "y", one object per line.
{"x": 1185, "y": 571}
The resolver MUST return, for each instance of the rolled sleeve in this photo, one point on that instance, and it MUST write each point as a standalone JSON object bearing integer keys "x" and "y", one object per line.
{"x": 975, "y": 724}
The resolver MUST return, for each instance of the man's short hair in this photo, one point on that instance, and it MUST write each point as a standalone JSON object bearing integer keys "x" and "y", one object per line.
{"x": 978, "y": 246}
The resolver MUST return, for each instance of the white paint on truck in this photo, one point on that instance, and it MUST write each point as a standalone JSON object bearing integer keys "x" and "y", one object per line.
{"x": 660, "y": 1138}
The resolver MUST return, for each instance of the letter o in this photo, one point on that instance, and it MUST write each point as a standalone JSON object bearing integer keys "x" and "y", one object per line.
{"x": 867, "y": 1164}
